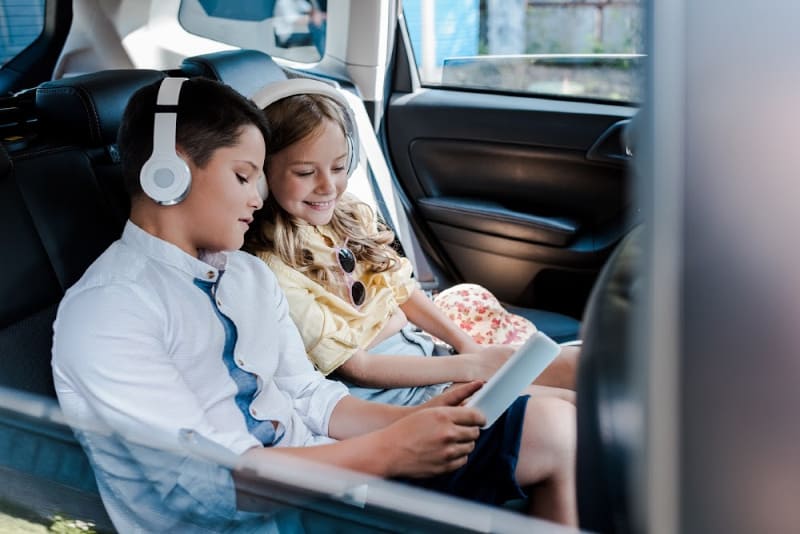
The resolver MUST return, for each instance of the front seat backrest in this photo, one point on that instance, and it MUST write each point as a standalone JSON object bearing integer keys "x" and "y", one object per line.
{"x": 609, "y": 418}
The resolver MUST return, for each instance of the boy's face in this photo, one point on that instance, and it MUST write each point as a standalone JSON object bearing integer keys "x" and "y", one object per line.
{"x": 307, "y": 178}
{"x": 224, "y": 195}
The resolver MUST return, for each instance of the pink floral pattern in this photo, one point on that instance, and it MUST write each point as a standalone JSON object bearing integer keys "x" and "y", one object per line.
{"x": 478, "y": 313}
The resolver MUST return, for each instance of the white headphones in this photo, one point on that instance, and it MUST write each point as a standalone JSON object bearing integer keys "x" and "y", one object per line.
{"x": 275, "y": 91}
{"x": 165, "y": 177}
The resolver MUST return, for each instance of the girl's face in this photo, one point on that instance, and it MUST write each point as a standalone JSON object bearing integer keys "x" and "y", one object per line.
{"x": 224, "y": 195}
{"x": 307, "y": 178}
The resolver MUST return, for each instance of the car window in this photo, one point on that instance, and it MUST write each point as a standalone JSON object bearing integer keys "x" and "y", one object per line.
{"x": 21, "y": 22}
{"x": 574, "y": 48}
{"x": 291, "y": 29}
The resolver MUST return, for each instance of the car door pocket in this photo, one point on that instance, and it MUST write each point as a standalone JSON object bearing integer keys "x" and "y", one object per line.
{"x": 493, "y": 218}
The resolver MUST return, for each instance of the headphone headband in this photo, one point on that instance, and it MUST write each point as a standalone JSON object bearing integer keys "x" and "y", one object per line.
{"x": 269, "y": 94}
{"x": 165, "y": 177}
{"x": 166, "y": 121}
{"x": 169, "y": 91}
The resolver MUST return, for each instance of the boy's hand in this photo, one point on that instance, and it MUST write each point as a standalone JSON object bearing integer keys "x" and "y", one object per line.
{"x": 431, "y": 441}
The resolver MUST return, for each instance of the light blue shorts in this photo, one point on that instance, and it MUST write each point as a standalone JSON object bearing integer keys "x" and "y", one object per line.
{"x": 407, "y": 342}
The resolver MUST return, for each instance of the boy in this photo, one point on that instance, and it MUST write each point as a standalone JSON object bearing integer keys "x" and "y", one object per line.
{"x": 167, "y": 331}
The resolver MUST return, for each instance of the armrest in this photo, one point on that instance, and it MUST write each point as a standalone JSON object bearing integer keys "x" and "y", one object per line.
{"x": 492, "y": 218}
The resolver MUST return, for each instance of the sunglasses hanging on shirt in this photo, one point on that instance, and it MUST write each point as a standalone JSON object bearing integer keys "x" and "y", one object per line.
{"x": 347, "y": 263}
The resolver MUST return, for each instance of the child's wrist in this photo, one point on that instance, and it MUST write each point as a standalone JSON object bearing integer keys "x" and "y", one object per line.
{"x": 465, "y": 343}
{"x": 472, "y": 368}
{"x": 382, "y": 453}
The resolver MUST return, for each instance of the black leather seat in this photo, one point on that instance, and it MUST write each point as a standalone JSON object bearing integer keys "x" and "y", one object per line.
{"x": 62, "y": 205}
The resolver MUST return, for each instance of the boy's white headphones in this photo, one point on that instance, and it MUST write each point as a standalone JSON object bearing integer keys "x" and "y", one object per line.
{"x": 303, "y": 86}
{"x": 165, "y": 177}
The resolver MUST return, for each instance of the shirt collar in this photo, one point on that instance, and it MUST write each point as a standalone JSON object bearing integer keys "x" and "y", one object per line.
{"x": 207, "y": 267}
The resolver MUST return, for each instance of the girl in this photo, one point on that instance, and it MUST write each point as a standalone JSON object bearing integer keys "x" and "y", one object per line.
{"x": 350, "y": 293}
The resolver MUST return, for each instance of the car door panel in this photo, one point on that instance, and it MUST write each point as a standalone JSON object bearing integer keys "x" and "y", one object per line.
{"x": 506, "y": 191}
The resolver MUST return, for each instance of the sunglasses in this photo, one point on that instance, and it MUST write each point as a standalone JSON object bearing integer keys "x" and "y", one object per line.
{"x": 347, "y": 263}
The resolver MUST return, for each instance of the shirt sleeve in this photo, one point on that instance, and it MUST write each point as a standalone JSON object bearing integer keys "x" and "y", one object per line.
{"x": 314, "y": 397}
{"x": 401, "y": 281}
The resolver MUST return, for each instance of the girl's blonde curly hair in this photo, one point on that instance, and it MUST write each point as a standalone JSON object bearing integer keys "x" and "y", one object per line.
{"x": 292, "y": 119}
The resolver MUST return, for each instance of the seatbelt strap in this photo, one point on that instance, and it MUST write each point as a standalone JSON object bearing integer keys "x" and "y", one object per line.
{"x": 386, "y": 199}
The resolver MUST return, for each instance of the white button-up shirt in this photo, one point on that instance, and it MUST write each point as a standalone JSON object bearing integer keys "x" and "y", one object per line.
{"x": 138, "y": 350}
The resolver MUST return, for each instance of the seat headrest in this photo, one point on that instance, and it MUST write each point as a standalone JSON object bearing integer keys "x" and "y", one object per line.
{"x": 247, "y": 71}
{"x": 86, "y": 110}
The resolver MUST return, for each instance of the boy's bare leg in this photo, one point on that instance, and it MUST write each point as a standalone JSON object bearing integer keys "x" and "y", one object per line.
{"x": 562, "y": 373}
{"x": 547, "y": 459}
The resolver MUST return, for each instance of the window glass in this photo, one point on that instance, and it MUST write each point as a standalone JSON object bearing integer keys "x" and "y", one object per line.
{"x": 21, "y": 22}
{"x": 292, "y": 29}
{"x": 577, "y": 48}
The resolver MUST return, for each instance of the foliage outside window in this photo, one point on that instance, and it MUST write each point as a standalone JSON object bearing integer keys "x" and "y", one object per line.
{"x": 577, "y": 48}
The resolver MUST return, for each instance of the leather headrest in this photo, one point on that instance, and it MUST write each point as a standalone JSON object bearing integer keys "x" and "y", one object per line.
{"x": 87, "y": 110}
{"x": 247, "y": 71}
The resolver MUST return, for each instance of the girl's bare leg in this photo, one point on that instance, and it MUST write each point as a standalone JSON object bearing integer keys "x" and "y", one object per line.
{"x": 549, "y": 391}
{"x": 562, "y": 373}
{"x": 546, "y": 461}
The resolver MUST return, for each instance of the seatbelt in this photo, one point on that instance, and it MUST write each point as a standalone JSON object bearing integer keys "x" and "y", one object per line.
{"x": 385, "y": 196}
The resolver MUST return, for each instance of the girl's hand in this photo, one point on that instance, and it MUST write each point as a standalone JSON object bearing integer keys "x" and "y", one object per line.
{"x": 468, "y": 345}
{"x": 454, "y": 395}
{"x": 488, "y": 360}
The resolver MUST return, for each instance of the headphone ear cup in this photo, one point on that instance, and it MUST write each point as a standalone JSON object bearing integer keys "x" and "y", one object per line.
{"x": 353, "y": 142}
{"x": 352, "y": 156}
{"x": 165, "y": 179}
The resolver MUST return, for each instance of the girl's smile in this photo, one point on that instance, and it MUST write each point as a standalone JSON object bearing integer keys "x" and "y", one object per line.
{"x": 307, "y": 178}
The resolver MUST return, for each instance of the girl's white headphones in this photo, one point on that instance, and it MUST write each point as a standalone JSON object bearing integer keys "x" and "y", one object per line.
{"x": 275, "y": 91}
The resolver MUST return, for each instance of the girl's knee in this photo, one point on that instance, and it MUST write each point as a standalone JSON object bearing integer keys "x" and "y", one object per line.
{"x": 535, "y": 390}
{"x": 550, "y": 422}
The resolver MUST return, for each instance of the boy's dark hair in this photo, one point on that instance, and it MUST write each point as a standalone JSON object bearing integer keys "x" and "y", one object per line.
{"x": 211, "y": 115}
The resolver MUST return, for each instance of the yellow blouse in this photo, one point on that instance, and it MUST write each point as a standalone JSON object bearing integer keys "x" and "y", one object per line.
{"x": 331, "y": 327}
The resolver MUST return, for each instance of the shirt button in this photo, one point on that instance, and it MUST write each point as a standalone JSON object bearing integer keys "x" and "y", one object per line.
{"x": 219, "y": 303}
{"x": 253, "y": 412}
{"x": 240, "y": 362}
{"x": 210, "y": 275}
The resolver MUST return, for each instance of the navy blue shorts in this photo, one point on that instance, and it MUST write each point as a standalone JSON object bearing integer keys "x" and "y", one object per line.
{"x": 488, "y": 475}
